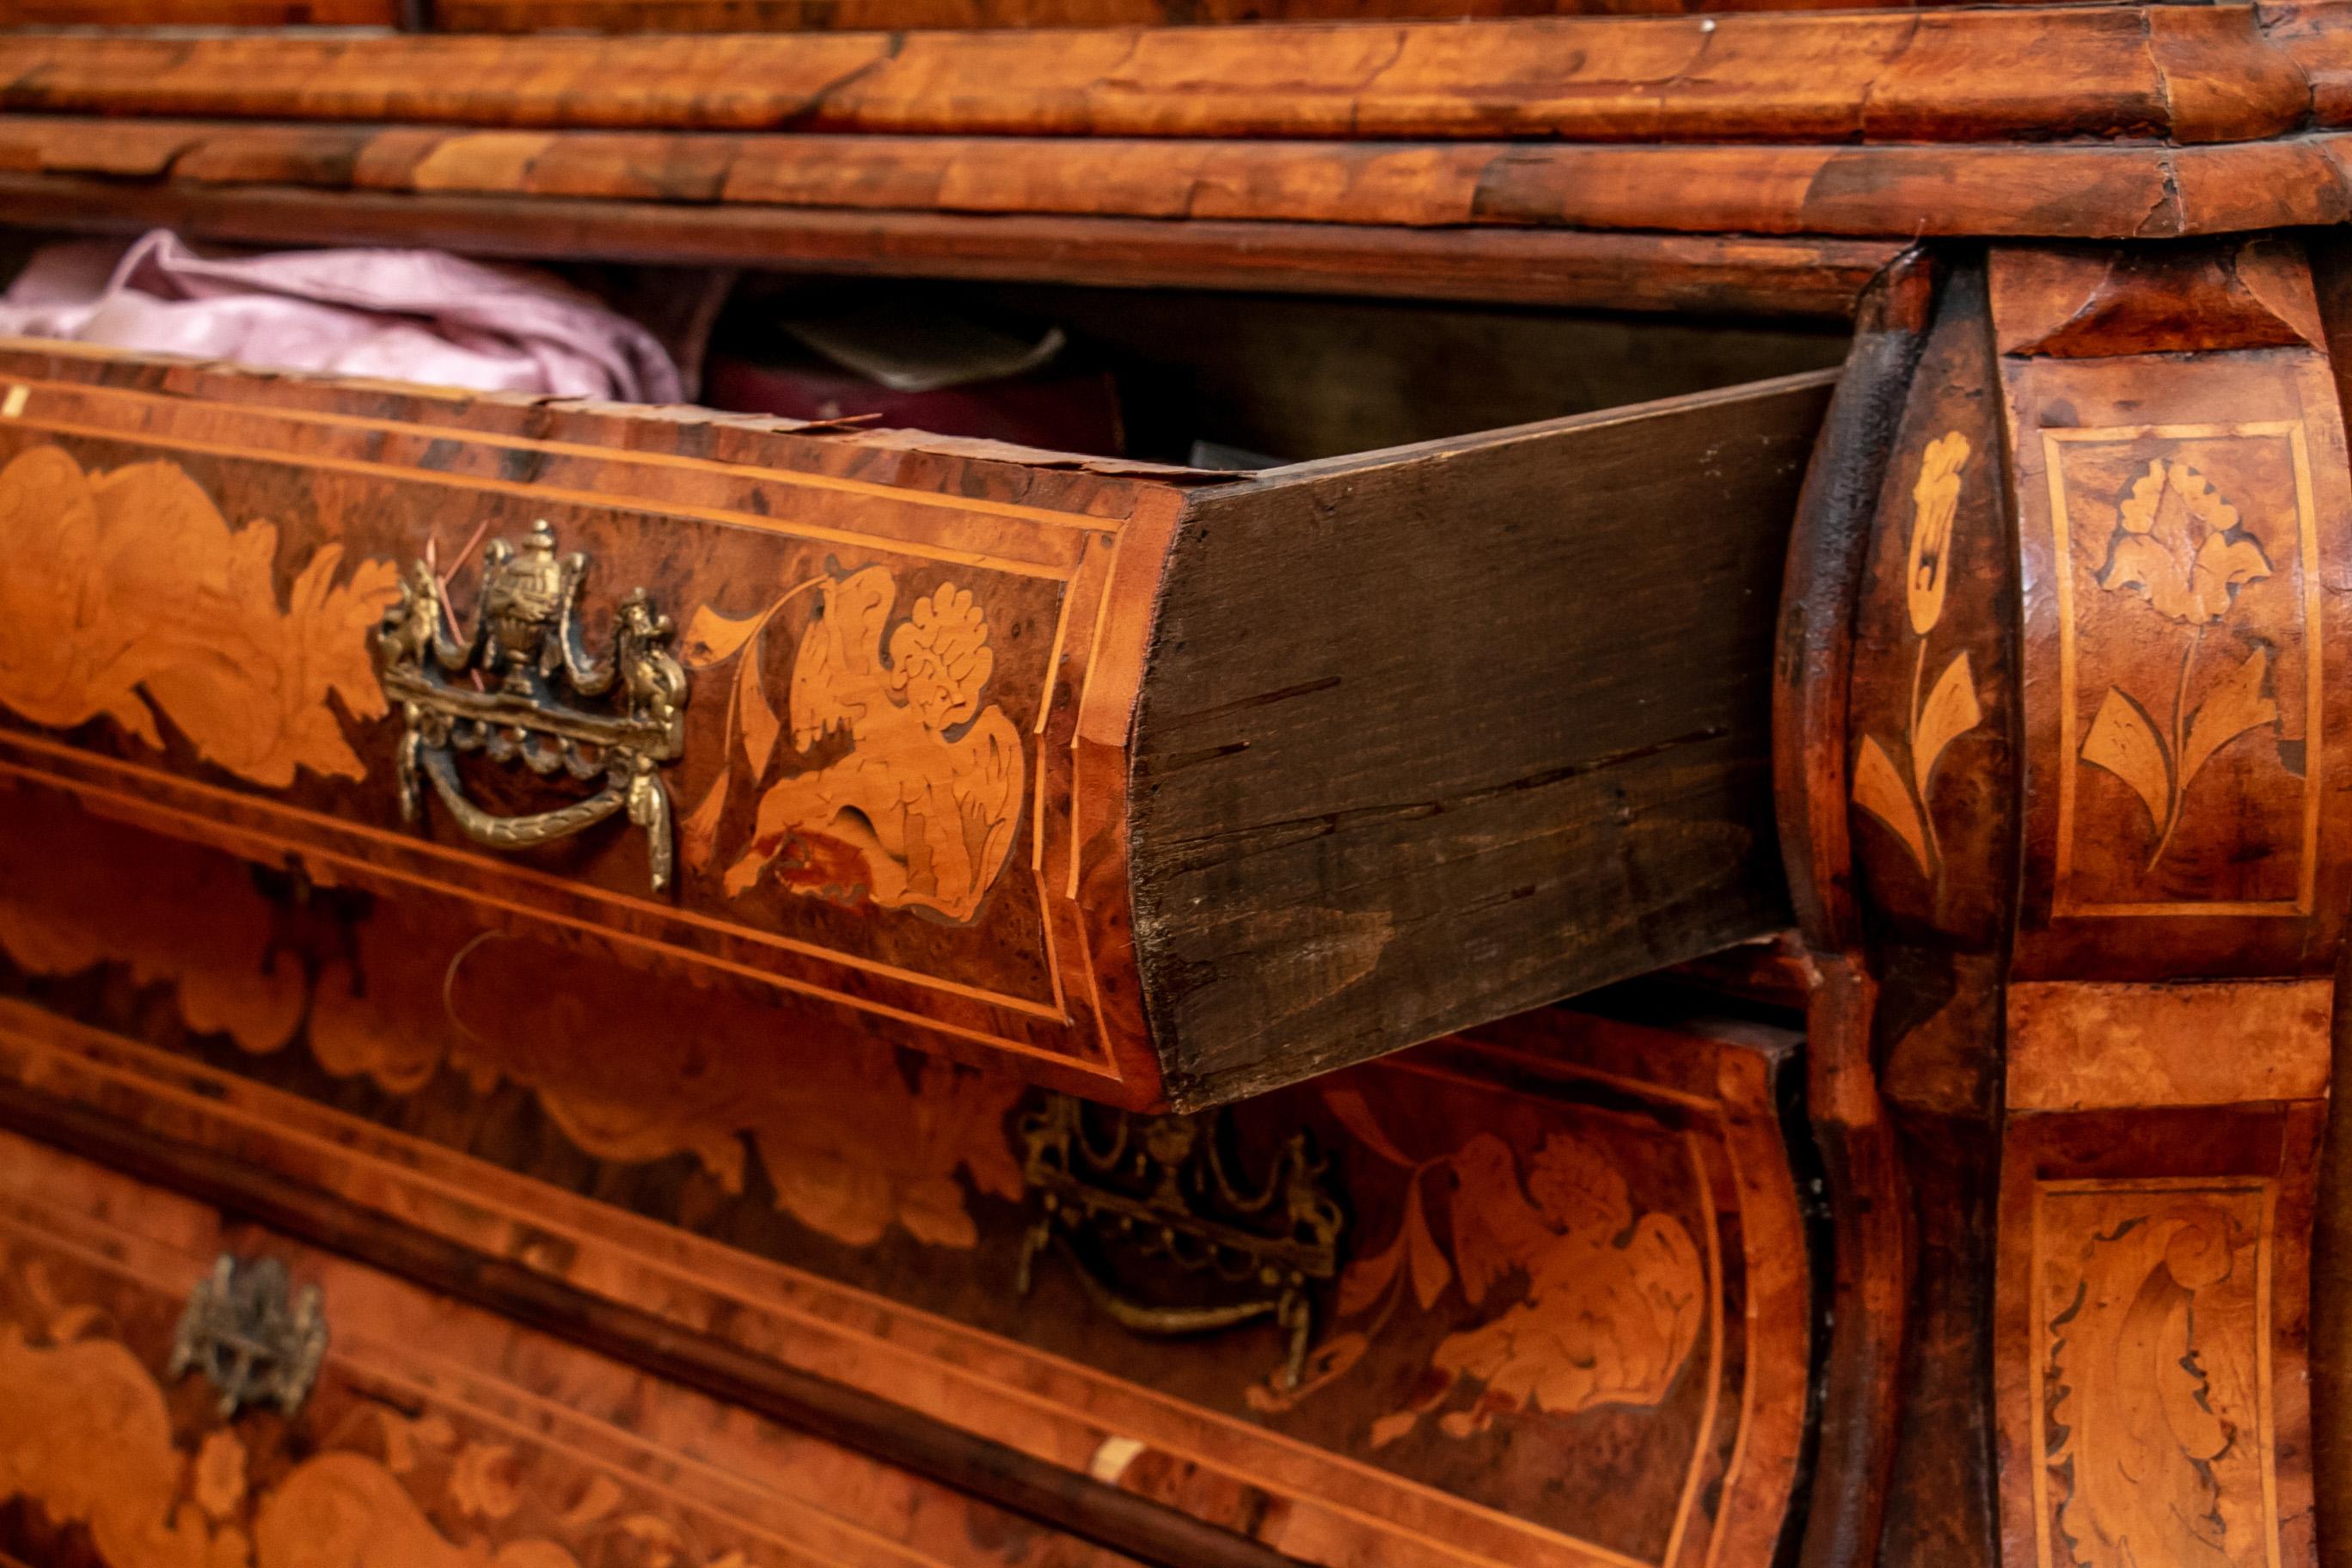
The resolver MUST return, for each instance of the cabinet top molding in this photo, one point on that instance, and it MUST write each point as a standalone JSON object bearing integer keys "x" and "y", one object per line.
{"x": 2177, "y": 74}
{"x": 2168, "y": 120}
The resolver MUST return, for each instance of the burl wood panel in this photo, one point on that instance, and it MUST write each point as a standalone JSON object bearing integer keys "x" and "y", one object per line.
{"x": 435, "y": 1435}
{"x": 1571, "y": 1328}
{"x": 912, "y": 670}
{"x": 2095, "y": 789}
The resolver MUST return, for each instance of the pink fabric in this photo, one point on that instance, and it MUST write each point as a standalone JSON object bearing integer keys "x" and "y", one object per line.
{"x": 405, "y": 315}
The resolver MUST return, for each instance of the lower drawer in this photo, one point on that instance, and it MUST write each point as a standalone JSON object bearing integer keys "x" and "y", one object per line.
{"x": 1561, "y": 1320}
{"x": 431, "y": 1435}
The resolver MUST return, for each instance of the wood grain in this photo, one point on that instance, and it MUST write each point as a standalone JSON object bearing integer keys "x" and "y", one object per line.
{"x": 1811, "y": 672}
{"x": 2132, "y": 1217}
{"x": 1932, "y": 831}
{"x": 2077, "y": 1072}
{"x": 202, "y": 13}
{"x": 2064, "y": 189}
{"x": 995, "y": 975}
{"x": 2204, "y": 75}
{"x": 2331, "y": 1368}
{"x": 2105, "y": 1050}
{"x": 498, "y": 1434}
{"x": 1395, "y": 873}
{"x": 2190, "y": 819}
{"x": 1802, "y": 278}
{"x": 803, "y": 16}
{"x": 2081, "y": 1047}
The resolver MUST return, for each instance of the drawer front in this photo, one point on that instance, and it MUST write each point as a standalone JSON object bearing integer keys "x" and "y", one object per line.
{"x": 870, "y": 794}
{"x": 1562, "y": 1319}
{"x": 429, "y": 1435}
{"x": 1153, "y": 785}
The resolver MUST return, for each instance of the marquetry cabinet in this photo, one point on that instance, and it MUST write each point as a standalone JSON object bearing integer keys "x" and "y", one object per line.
{"x": 1700, "y": 929}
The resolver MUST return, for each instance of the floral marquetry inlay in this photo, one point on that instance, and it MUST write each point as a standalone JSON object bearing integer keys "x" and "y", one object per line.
{"x": 2152, "y": 1307}
{"x": 2189, "y": 669}
{"x": 129, "y": 596}
{"x": 919, "y": 811}
{"x": 2179, "y": 547}
{"x": 94, "y": 1446}
{"x": 1602, "y": 1304}
{"x": 1896, "y": 796}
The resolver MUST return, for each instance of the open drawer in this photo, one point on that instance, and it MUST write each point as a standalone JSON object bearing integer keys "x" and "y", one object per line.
{"x": 1155, "y": 784}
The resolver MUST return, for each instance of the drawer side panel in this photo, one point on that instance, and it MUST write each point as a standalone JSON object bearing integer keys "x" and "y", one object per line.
{"x": 1442, "y": 734}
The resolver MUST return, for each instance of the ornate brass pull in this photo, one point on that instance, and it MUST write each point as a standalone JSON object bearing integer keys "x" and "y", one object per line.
{"x": 1160, "y": 1187}
{"x": 244, "y": 1333}
{"x": 524, "y": 648}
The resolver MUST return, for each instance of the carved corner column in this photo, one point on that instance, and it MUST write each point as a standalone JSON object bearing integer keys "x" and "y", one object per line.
{"x": 1859, "y": 1384}
{"x": 2084, "y": 812}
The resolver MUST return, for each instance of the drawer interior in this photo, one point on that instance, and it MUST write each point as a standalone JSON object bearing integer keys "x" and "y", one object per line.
{"x": 1163, "y": 376}
{"x": 1286, "y": 378}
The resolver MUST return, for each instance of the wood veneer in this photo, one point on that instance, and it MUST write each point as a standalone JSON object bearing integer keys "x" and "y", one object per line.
{"x": 2182, "y": 74}
{"x": 804, "y": 15}
{"x": 498, "y": 1436}
{"x": 2065, "y": 189}
{"x": 1815, "y": 278}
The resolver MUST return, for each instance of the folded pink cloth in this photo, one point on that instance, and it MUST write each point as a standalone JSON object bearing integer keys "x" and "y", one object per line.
{"x": 405, "y": 315}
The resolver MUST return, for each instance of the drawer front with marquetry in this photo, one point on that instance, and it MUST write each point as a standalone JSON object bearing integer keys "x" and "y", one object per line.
{"x": 1535, "y": 1296}
{"x": 184, "y": 1391}
{"x": 1091, "y": 768}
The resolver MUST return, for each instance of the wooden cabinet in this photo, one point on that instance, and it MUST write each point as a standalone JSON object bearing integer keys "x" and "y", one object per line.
{"x": 824, "y": 994}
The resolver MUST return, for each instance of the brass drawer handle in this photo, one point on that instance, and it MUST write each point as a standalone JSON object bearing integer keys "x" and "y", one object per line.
{"x": 1161, "y": 1189}
{"x": 252, "y": 1342}
{"x": 501, "y": 689}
